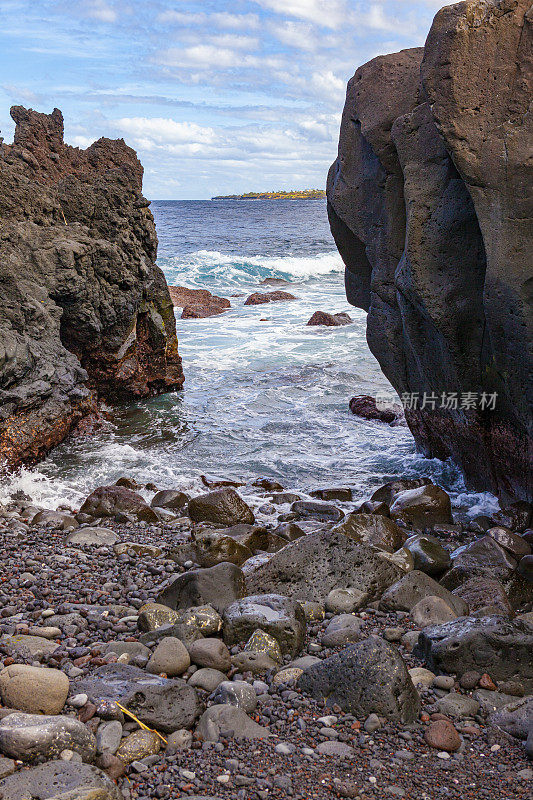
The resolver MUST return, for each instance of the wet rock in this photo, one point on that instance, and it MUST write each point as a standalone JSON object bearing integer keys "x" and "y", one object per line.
{"x": 35, "y": 690}
{"x": 137, "y": 745}
{"x": 108, "y": 501}
{"x": 525, "y": 568}
{"x": 422, "y": 507}
{"x": 57, "y": 519}
{"x": 310, "y": 567}
{"x": 236, "y": 693}
{"x": 170, "y": 498}
{"x": 510, "y": 541}
{"x": 432, "y": 611}
{"x": 496, "y": 645}
{"x": 342, "y": 630}
{"x": 373, "y": 507}
{"x": 211, "y": 653}
{"x": 60, "y": 779}
{"x": 229, "y": 721}
{"x": 28, "y": 736}
{"x": 289, "y": 531}
{"x": 364, "y": 678}
{"x": 365, "y": 406}
{"x": 96, "y": 537}
{"x": 415, "y": 586}
{"x": 387, "y": 492}
{"x": 330, "y": 320}
{"x": 402, "y": 558}
{"x": 323, "y": 512}
{"x": 197, "y": 303}
{"x": 373, "y": 529}
{"x": 428, "y": 553}
{"x": 216, "y": 586}
{"x": 259, "y": 298}
{"x": 269, "y": 484}
{"x": 222, "y": 507}
{"x": 442, "y": 735}
{"x": 214, "y": 548}
{"x": 341, "y": 493}
{"x": 484, "y": 596}
{"x": 279, "y": 616}
{"x": 515, "y": 718}
{"x": 170, "y": 658}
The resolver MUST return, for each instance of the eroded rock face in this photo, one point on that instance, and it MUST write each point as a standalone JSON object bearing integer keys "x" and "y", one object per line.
{"x": 428, "y": 203}
{"x": 85, "y": 313}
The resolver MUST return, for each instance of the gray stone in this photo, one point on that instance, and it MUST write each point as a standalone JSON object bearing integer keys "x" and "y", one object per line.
{"x": 132, "y": 649}
{"x": 422, "y": 507}
{"x": 60, "y": 779}
{"x": 33, "y": 646}
{"x": 96, "y": 537}
{"x": 415, "y": 586}
{"x": 279, "y": 616}
{"x": 432, "y": 611}
{"x": 515, "y": 718}
{"x": 207, "y": 679}
{"x": 211, "y": 653}
{"x": 496, "y": 645}
{"x": 229, "y": 721}
{"x": 344, "y": 601}
{"x": 310, "y": 567}
{"x": 457, "y": 705}
{"x": 364, "y": 678}
{"x": 27, "y": 736}
{"x": 490, "y": 701}
{"x": 335, "y": 749}
{"x": 108, "y": 736}
{"x": 342, "y": 630}
{"x": 254, "y": 662}
{"x": 170, "y": 498}
{"x": 170, "y": 657}
{"x": 164, "y": 703}
{"x": 7, "y": 767}
{"x": 236, "y": 693}
{"x": 215, "y": 586}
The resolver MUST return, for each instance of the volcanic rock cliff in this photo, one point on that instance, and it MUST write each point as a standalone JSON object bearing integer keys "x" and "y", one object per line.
{"x": 85, "y": 313}
{"x": 431, "y": 206}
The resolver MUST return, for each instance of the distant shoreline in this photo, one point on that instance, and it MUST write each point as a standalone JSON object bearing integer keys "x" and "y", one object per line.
{"x": 303, "y": 194}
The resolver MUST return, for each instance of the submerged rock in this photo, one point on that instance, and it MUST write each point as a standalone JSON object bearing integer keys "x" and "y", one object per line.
{"x": 330, "y": 320}
{"x": 197, "y": 303}
{"x": 107, "y": 501}
{"x": 260, "y": 298}
{"x": 366, "y": 407}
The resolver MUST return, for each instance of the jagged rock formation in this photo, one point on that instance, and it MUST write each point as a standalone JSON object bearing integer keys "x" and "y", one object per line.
{"x": 84, "y": 311}
{"x": 430, "y": 205}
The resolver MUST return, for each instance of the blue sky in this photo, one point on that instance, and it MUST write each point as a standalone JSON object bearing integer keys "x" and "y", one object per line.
{"x": 217, "y": 97}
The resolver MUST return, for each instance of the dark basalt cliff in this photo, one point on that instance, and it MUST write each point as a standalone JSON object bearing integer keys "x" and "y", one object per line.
{"x": 430, "y": 203}
{"x": 85, "y": 313}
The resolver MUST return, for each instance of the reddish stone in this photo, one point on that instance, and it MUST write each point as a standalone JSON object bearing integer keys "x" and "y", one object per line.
{"x": 486, "y": 682}
{"x": 442, "y": 735}
{"x": 259, "y": 298}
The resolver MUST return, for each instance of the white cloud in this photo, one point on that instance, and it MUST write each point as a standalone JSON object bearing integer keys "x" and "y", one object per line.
{"x": 100, "y": 10}
{"x": 157, "y": 130}
{"x": 325, "y": 13}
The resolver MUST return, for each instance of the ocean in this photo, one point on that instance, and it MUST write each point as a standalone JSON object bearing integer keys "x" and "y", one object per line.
{"x": 264, "y": 394}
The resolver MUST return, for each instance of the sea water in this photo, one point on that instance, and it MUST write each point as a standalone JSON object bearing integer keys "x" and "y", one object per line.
{"x": 264, "y": 394}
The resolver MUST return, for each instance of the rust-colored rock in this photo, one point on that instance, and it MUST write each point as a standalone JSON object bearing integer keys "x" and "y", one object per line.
{"x": 259, "y": 298}
{"x": 429, "y": 203}
{"x": 366, "y": 407}
{"x": 442, "y": 735}
{"x": 197, "y": 303}
{"x": 330, "y": 320}
{"x": 85, "y": 312}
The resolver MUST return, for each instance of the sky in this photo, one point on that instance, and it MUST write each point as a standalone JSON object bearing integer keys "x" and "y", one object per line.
{"x": 217, "y": 96}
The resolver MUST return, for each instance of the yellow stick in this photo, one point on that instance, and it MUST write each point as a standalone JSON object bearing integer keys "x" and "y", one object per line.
{"x": 138, "y": 721}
